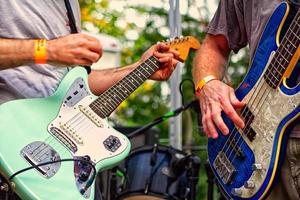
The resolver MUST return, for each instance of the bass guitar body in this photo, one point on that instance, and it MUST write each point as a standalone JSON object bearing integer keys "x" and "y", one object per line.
{"x": 247, "y": 161}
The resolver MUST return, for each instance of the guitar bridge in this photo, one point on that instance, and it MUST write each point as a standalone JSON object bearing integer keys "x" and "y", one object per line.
{"x": 39, "y": 152}
{"x": 224, "y": 167}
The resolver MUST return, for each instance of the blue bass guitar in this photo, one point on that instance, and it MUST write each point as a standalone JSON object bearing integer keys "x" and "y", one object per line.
{"x": 247, "y": 161}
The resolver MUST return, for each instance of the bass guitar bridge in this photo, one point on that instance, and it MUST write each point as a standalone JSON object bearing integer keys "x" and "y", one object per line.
{"x": 224, "y": 167}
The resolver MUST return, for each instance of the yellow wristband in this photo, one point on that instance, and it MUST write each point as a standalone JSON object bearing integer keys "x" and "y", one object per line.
{"x": 40, "y": 56}
{"x": 204, "y": 81}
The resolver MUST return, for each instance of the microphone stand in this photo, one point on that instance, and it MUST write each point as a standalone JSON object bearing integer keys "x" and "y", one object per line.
{"x": 210, "y": 181}
{"x": 193, "y": 175}
{"x": 162, "y": 118}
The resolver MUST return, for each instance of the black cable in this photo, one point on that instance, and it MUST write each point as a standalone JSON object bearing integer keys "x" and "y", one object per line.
{"x": 181, "y": 88}
{"x": 56, "y": 161}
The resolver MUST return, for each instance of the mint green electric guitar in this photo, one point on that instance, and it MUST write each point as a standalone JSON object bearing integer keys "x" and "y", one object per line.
{"x": 51, "y": 148}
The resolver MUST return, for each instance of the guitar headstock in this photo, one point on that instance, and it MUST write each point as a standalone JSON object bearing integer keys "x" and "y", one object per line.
{"x": 183, "y": 46}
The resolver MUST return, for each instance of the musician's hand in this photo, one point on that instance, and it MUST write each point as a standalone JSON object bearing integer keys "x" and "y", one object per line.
{"x": 215, "y": 97}
{"x": 74, "y": 49}
{"x": 166, "y": 56}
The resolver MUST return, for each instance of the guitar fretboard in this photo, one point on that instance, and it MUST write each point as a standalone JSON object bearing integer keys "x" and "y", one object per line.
{"x": 108, "y": 101}
{"x": 284, "y": 53}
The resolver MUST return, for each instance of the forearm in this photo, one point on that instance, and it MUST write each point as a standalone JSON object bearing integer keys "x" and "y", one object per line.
{"x": 101, "y": 80}
{"x": 15, "y": 52}
{"x": 211, "y": 58}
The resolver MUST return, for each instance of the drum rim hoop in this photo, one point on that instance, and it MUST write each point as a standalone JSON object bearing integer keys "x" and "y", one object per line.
{"x": 141, "y": 192}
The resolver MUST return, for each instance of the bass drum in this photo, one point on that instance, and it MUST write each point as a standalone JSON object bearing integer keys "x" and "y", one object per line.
{"x": 150, "y": 175}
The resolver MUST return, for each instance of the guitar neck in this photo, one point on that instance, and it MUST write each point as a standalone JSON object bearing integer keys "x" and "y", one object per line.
{"x": 108, "y": 101}
{"x": 284, "y": 54}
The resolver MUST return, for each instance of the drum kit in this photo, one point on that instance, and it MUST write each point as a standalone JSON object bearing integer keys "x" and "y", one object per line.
{"x": 153, "y": 173}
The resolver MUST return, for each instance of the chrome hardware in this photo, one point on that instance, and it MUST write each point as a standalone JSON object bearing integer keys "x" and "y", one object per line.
{"x": 224, "y": 167}
{"x": 236, "y": 192}
{"x": 63, "y": 138}
{"x": 249, "y": 184}
{"x": 39, "y": 152}
{"x": 77, "y": 91}
{"x": 256, "y": 166}
{"x": 83, "y": 173}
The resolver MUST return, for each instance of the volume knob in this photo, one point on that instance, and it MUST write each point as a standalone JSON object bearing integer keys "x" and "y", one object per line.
{"x": 256, "y": 166}
{"x": 236, "y": 192}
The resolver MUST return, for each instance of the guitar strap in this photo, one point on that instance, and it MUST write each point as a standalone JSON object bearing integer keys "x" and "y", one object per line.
{"x": 71, "y": 17}
{"x": 73, "y": 25}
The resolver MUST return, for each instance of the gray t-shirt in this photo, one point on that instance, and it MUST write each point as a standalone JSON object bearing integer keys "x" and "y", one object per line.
{"x": 30, "y": 19}
{"x": 242, "y": 22}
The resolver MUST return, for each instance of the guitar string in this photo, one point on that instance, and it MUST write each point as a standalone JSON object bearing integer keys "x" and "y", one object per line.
{"x": 230, "y": 139}
{"x": 81, "y": 117}
{"x": 261, "y": 85}
{"x": 77, "y": 117}
{"x": 126, "y": 89}
{"x": 284, "y": 43}
{"x": 232, "y": 134}
{"x": 251, "y": 100}
{"x": 241, "y": 136}
{"x": 129, "y": 91}
{"x": 263, "y": 96}
{"x": 249, "y": 111}
{"x": 74, "y": 118}
{"x": 289, "y": 33}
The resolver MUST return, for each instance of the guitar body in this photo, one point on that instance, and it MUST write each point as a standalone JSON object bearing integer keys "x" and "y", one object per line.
{"x": 28, "y": 129}
{"x": 247, "y": 165}
{"x": 51, "y": 148}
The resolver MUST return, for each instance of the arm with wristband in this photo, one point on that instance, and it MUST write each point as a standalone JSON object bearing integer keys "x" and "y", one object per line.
{"x": 72, "y": 49}
{"x": 214, "y": 95}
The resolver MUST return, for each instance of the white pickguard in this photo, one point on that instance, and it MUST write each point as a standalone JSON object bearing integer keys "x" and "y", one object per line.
{"x": 269, "y": 108}
{"x": 87, "y": 135}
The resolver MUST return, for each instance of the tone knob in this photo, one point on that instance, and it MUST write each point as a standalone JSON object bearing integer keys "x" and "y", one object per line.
{"x": 249, "y": 184}
{"x": 236, "y": 192}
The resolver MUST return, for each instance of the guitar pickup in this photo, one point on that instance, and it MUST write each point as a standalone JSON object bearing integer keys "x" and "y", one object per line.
{"x": 248, "y": 118}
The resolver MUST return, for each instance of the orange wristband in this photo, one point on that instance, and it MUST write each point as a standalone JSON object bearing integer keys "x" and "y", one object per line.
{"x": 40, "y": 51}
{"x": 204, "y": 81}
